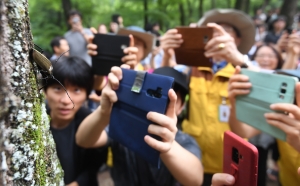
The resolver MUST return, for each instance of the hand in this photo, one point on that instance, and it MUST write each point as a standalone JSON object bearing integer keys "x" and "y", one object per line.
{"x": 229, "y": 53}
{"x": 170, "y": 40}
{"x": 221, "y": 179}
{"x": 77, "y": 27}
{"x": 108, "y": 95}
{"x": 165, "y": 128}
{"x": 290, "y": 124}
{"x": 293, "y": 45}
{"x": 238, "y": 85}
{"x": 282, "y": 42}
{"x": 91, "y": 46}
{"x": 131, "y": 51}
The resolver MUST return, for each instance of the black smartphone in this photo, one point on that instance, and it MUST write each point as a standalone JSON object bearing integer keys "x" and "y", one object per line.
{"x": 110, "y": 49}
{"x": 289, "y": 30}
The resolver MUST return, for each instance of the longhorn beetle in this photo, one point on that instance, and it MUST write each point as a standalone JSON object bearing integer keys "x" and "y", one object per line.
{"x": 45, "y": 66}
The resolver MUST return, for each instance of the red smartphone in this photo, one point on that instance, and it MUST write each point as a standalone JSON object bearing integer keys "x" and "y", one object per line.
{"x": 240, "y": 160}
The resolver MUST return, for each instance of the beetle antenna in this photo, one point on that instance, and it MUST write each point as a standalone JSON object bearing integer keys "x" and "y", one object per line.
{"x": 65, "y": 90}
{"x": 61, "y": 56}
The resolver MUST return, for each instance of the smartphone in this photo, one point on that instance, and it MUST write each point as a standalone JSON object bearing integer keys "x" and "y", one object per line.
{"x": 110, "y": 52}
{"x": 289, "y": 31}
{"x": 240, "y": 160}
{"x": 191, "y": 51}
{"x": 139, "y": 93}
{"x": 267, "y": 88}
{"x": 75, "y": 19}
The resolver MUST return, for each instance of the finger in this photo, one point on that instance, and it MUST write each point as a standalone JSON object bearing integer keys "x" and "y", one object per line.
{"x": 109, "y": 93}
{"x": 113, "y": 81}
{"x": 90, "y": 38}
{"x": 130, "y": 50}
{"x": 291, "y": 132}
{"x": 171, "y": 37}
{"x": 299, "y": 171}
{"x": 157, "y": 145}
{"x": 129, "y": 57}
{"x": 238, "y": 77}
{"x": 214, "y": 42}
{"x": 217, "y": 28}
{"x": 125, "y": 66}
{"x": 298, "y": 94}
{"x": 172, "y": 104}
{"x": 92, "y": 46}
{"x": 220, "y": 179}
{"x": 240, "y": 85}
{"x": 238, "y": 71}
{"x": 131, "y": 40}
{"x": 284, "y": 119}
{"x": 92, "y": 52}
{"x": 160, "y": 131}
{"x": 162, "y": 120}
{"x": 287, "y": 107}
{"x": 93, "y": 30}
{"x": 117, "y": 71}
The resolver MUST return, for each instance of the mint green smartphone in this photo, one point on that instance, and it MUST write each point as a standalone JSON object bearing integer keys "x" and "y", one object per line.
{"x": 266, "y": 89}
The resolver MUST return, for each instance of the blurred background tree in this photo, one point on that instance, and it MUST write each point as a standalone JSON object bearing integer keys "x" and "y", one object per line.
{"x": 48, "y": 17}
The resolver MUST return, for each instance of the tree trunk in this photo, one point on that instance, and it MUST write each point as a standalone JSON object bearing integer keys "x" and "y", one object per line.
{"x": 190, "y": 10}
{"x": 213, "y": 4}
{"x": 242, "y": 5}
{"x": 67, "y": 6}
{"x": 247, "y": 6}
{"x": 228, "y": 3}
{"x": 27, "y": 149}
{"x": 200, "y": 8}
{"x": 289, "y": 9}
{"x": 182, "y": 14}
{"x": 145, "y": 13}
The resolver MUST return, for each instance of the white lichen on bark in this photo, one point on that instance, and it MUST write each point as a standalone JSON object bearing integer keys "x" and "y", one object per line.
{"x": 27, "y": 149}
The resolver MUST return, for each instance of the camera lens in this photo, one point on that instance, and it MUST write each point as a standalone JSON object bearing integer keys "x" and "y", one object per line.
{"x": 235, "y": 155}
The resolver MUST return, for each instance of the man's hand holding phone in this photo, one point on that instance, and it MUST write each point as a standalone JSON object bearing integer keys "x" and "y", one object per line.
{"x": 165, "y": 126}
{"x": 131, "y": 51}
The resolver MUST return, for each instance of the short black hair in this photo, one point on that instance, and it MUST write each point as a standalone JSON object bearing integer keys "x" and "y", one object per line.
{"x": 56, "y": 42}
{"x": 114, "y": 18}
{"x": 71, "y": 70}
{"x": 74, "y": 12}
{"x": 183, "y": 92}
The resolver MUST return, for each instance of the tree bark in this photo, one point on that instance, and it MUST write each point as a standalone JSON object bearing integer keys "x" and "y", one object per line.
{"x": 182, "y": 14}
{"x": 190, "y": 10}
{"x": 289, "y": 9}
{"x": 27, "y": 149}
{"x": 67, "y": 6}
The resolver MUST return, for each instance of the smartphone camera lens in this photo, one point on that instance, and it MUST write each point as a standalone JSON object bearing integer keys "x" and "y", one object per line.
{"x": 235, "y": 155}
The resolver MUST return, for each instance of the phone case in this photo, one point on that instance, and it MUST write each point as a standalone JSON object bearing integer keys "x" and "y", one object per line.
{"x": 191, "y": 51}
{"x": 128, "y": 122}
{"x": 266, "y": 89}
{"x": 110, "y": 52}
{"x": 240, "y": 160}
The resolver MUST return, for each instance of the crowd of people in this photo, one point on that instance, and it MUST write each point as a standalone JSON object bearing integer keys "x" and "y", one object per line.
{"x": 191, "y": 148}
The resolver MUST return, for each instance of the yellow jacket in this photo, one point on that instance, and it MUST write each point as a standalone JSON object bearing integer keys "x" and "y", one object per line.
{"x": 206, "y": 94}
{"x": 288, "y": 163}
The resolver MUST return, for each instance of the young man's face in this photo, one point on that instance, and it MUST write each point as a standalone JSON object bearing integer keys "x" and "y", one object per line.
{"x": 61, "y": 105}
{"x": 63, "y": 47}
{"x": 75, "y": 22}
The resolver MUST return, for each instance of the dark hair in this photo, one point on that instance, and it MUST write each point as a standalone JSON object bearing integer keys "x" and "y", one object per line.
{"x": 114, "y": 18}
{"x": 71, "y": 70}
{"x": 56, "y": 42}
{"x": 278, "y": 56}
{"x": 74, "y": 12}
{"x": 183, "y": 92}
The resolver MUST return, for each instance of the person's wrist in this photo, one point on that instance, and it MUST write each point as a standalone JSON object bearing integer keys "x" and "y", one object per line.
{"x": 239, "y": 60}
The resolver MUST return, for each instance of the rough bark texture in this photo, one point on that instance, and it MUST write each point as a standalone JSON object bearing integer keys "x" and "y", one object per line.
{"x": 27, "y": 149}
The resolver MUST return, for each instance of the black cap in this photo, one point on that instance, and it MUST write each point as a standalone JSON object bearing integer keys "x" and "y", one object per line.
{"x": 180, "y": 79}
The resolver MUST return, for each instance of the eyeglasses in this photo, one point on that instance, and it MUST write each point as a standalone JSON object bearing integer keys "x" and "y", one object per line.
{"x": 266, "y": 55}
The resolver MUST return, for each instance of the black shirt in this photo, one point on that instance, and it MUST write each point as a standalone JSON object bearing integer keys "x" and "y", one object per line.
{"x": 130, "y": 169}
{"x": 79, "y": 164}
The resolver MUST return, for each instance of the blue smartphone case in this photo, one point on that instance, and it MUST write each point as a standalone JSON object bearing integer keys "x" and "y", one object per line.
{"x": 266, "y": 89}
{"x": 136, "y": 97}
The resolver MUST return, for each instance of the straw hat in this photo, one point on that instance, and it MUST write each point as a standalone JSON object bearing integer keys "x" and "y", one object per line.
{"x": 147, "y": 38}
{"x": 238, "y": 19}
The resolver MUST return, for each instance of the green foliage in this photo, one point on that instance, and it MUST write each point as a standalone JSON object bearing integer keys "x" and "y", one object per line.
{"x": 47, "y": 16}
